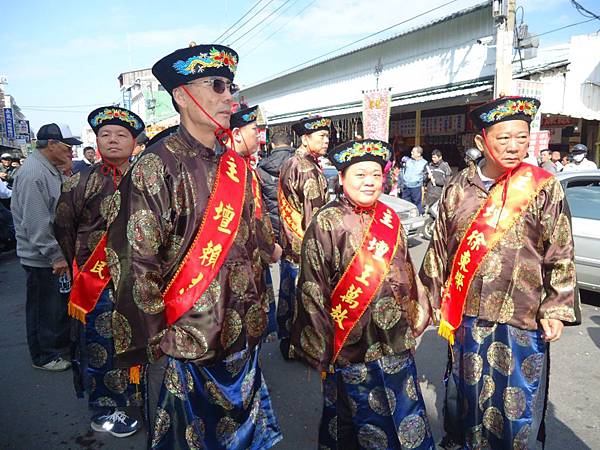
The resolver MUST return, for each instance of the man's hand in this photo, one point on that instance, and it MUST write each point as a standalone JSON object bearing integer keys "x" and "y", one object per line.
{"x": 553, "y": 329}
{"x": 61, "y": 267}
{"x": 276, "y": 253}
{"x": 3, "y": 175}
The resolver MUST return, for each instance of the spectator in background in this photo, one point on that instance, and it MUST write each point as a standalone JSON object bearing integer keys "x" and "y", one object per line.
{"x": 579, "y": 161}
{"x": 438, "y": 173}
{"x": 413, "y": 175}
{"x": 556, "y": 160}
{"x": 140, "y": 145}
{"x": 564, "y": 161}
{"x": 89, "y": 158}
{"x": 7, "y": 171}
{"x": 546, "y": 162}
{"x": 268, "y": 170}
{"x": 37, "y": 187}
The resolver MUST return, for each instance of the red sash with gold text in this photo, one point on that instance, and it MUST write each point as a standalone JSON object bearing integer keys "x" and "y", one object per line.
{"x": 89, "y": 283}
{"x": 291, "y": 217}
{"x": 258, "y": 203}
{"x": 365, "y": 273}
{"x": 490, "y": 224}
{"x": 213, "y": 240}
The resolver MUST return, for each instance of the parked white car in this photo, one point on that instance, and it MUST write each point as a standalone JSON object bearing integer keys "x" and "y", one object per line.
{"x": 582, "y": 191}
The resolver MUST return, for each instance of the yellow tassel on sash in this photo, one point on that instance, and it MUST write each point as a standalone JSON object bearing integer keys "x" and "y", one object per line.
{"x": 76, "y": 312}
{"x": 446, "y": 331}
{"x": 134, "y": 374}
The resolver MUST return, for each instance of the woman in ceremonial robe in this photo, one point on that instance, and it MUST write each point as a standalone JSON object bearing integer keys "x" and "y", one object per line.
{"x": 358, "y": 311}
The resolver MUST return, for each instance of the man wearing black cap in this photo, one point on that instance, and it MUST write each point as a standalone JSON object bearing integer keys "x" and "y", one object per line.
{"x": 245, "y": 139}
{"x": 7, "y": 171}
{"x": 302, "y": 191}
{"x": 88, "y": 203}
{"x": 500, "y": 270}
{"x": 180, "y": 253}
{"x": 35, "y": 195}
{"x": 579, "y": 161}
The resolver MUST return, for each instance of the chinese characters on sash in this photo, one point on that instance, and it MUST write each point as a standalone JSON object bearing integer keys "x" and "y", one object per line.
{"x": 369, "y": 266}
{"x": 213, "y": 239}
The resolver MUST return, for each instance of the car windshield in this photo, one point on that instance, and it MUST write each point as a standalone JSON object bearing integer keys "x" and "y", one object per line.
{"x": 584, "y": 199}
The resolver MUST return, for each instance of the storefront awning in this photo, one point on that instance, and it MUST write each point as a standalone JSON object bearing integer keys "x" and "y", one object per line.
{"x": 420, "y": 99}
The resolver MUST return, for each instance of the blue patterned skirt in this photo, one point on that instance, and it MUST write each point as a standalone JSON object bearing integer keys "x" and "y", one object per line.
{"x": 106, "y": 386}
{"x": 287, "y": 297}
{"x": 224, "y": 406}
{"x": 497, "y": 392}
{"x": 375, "y": 406}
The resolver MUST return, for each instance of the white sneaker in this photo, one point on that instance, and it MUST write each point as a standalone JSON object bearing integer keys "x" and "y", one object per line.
{"x": 119, "y": 424}
{"x": 56, "y": 365}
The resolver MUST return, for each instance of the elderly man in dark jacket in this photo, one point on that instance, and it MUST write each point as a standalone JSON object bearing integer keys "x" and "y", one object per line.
{"x": 268, "y": 171}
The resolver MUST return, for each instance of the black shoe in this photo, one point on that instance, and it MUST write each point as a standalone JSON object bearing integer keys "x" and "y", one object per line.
{"x": 284, "y": 347}
{"x": 119, "y": 424}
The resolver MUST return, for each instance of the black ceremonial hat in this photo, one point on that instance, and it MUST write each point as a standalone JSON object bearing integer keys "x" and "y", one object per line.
{"x": 351, "y": 152}
{"x": 243, "y": 117}
{"x": 113, "y": 115}
{"x": 308, "y": 125}
{"x": 197, "y": 61}
{"x": 503, "y": 109}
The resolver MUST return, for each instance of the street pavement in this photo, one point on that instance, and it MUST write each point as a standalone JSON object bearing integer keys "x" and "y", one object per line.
{"x": 39, "y": 409}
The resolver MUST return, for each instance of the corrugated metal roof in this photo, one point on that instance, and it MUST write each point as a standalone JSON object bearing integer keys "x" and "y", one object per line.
{"x": 411, "y": 98}
{"x": 431, "y": 23}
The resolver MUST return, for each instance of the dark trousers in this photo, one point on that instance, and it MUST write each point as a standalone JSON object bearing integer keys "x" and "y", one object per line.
{"x": 413, "y": 195}
{"x": 46, "y": 316}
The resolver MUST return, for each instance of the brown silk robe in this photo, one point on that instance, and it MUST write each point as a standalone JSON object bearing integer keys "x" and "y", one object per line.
{"x": 529, "y": 275}
{"x": 305, "y": 188}
{"x": 163, "y": 200}
{"x": 86, "y": 205}
{"x": 386, "y": 328}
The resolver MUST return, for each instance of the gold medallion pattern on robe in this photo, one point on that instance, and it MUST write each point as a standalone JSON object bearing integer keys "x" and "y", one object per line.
{"x": 190, "y": 342}
{"x": 121, "y": 332}
{"x": 487, "y": 390}
{"x": 411, "y": 389}
{"x": 209, "y": 297}
{"x": 313, "y": 251}
{"x": 94, "y": 185}
{"x": 515, "y": 403}
{"x": 71, "y": 182}
{"x": 329, "y": 219}
{"x": 114, "y": 265}
{"x": 103, "y": 325}
{"x": 312, "y": 343}
{"x": 473, "y": 367}
{"x": 500, "y": 357}
{"x": 371, "y": 437}
{"x": 382, "y": 401}
{"x": 174, "y": 382}
{"x": 97, "y": 355}
{"x": 311, "y": 294}
{"x": 531, "y": 367}
{"x": 194, "y": 434}
{"x": 116, "y": 380}
{"x": 232, "y": 328}
{"x": 493, "y": 421}
{"x": 217, "y": 397}
{"x": 146, "y": 293}
{"x": 256, "y": 320}
{"x": 143, "y": 232}
{"x": 412, "y": 431}
{"x": 386, "y": 313}
{"x": 521, "y": 441}
{"x": 162, "y": 423}
{"x": 148, "y": 173}
{"x": 355, "y": 374}
{"x": 226, "y": 429}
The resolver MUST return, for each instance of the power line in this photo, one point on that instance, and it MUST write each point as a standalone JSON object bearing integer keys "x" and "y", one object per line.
{"x": 59, "y": 106}
{"x": 561, "y": 28}
{"x": 249, "y": 19}
{"x": 360, "y": 40}
{"x": 263, "y": 24}
{"x": 584, "y": 12}
{"x": 238, "y": 21}
{"x": 279, "y": 29}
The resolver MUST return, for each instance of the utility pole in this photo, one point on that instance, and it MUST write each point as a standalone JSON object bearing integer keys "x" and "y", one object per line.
{"x": 504, "y": 13}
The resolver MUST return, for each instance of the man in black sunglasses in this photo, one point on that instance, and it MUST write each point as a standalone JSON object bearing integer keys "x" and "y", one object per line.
{"x": 187, "y": 306}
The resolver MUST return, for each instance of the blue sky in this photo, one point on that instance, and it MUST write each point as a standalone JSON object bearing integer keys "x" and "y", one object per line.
{"x": 63, "y": 59}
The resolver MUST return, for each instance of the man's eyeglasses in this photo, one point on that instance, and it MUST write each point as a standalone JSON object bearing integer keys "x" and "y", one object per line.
{"x": 69, "y": 146}
{"x": 219, "y": 85}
